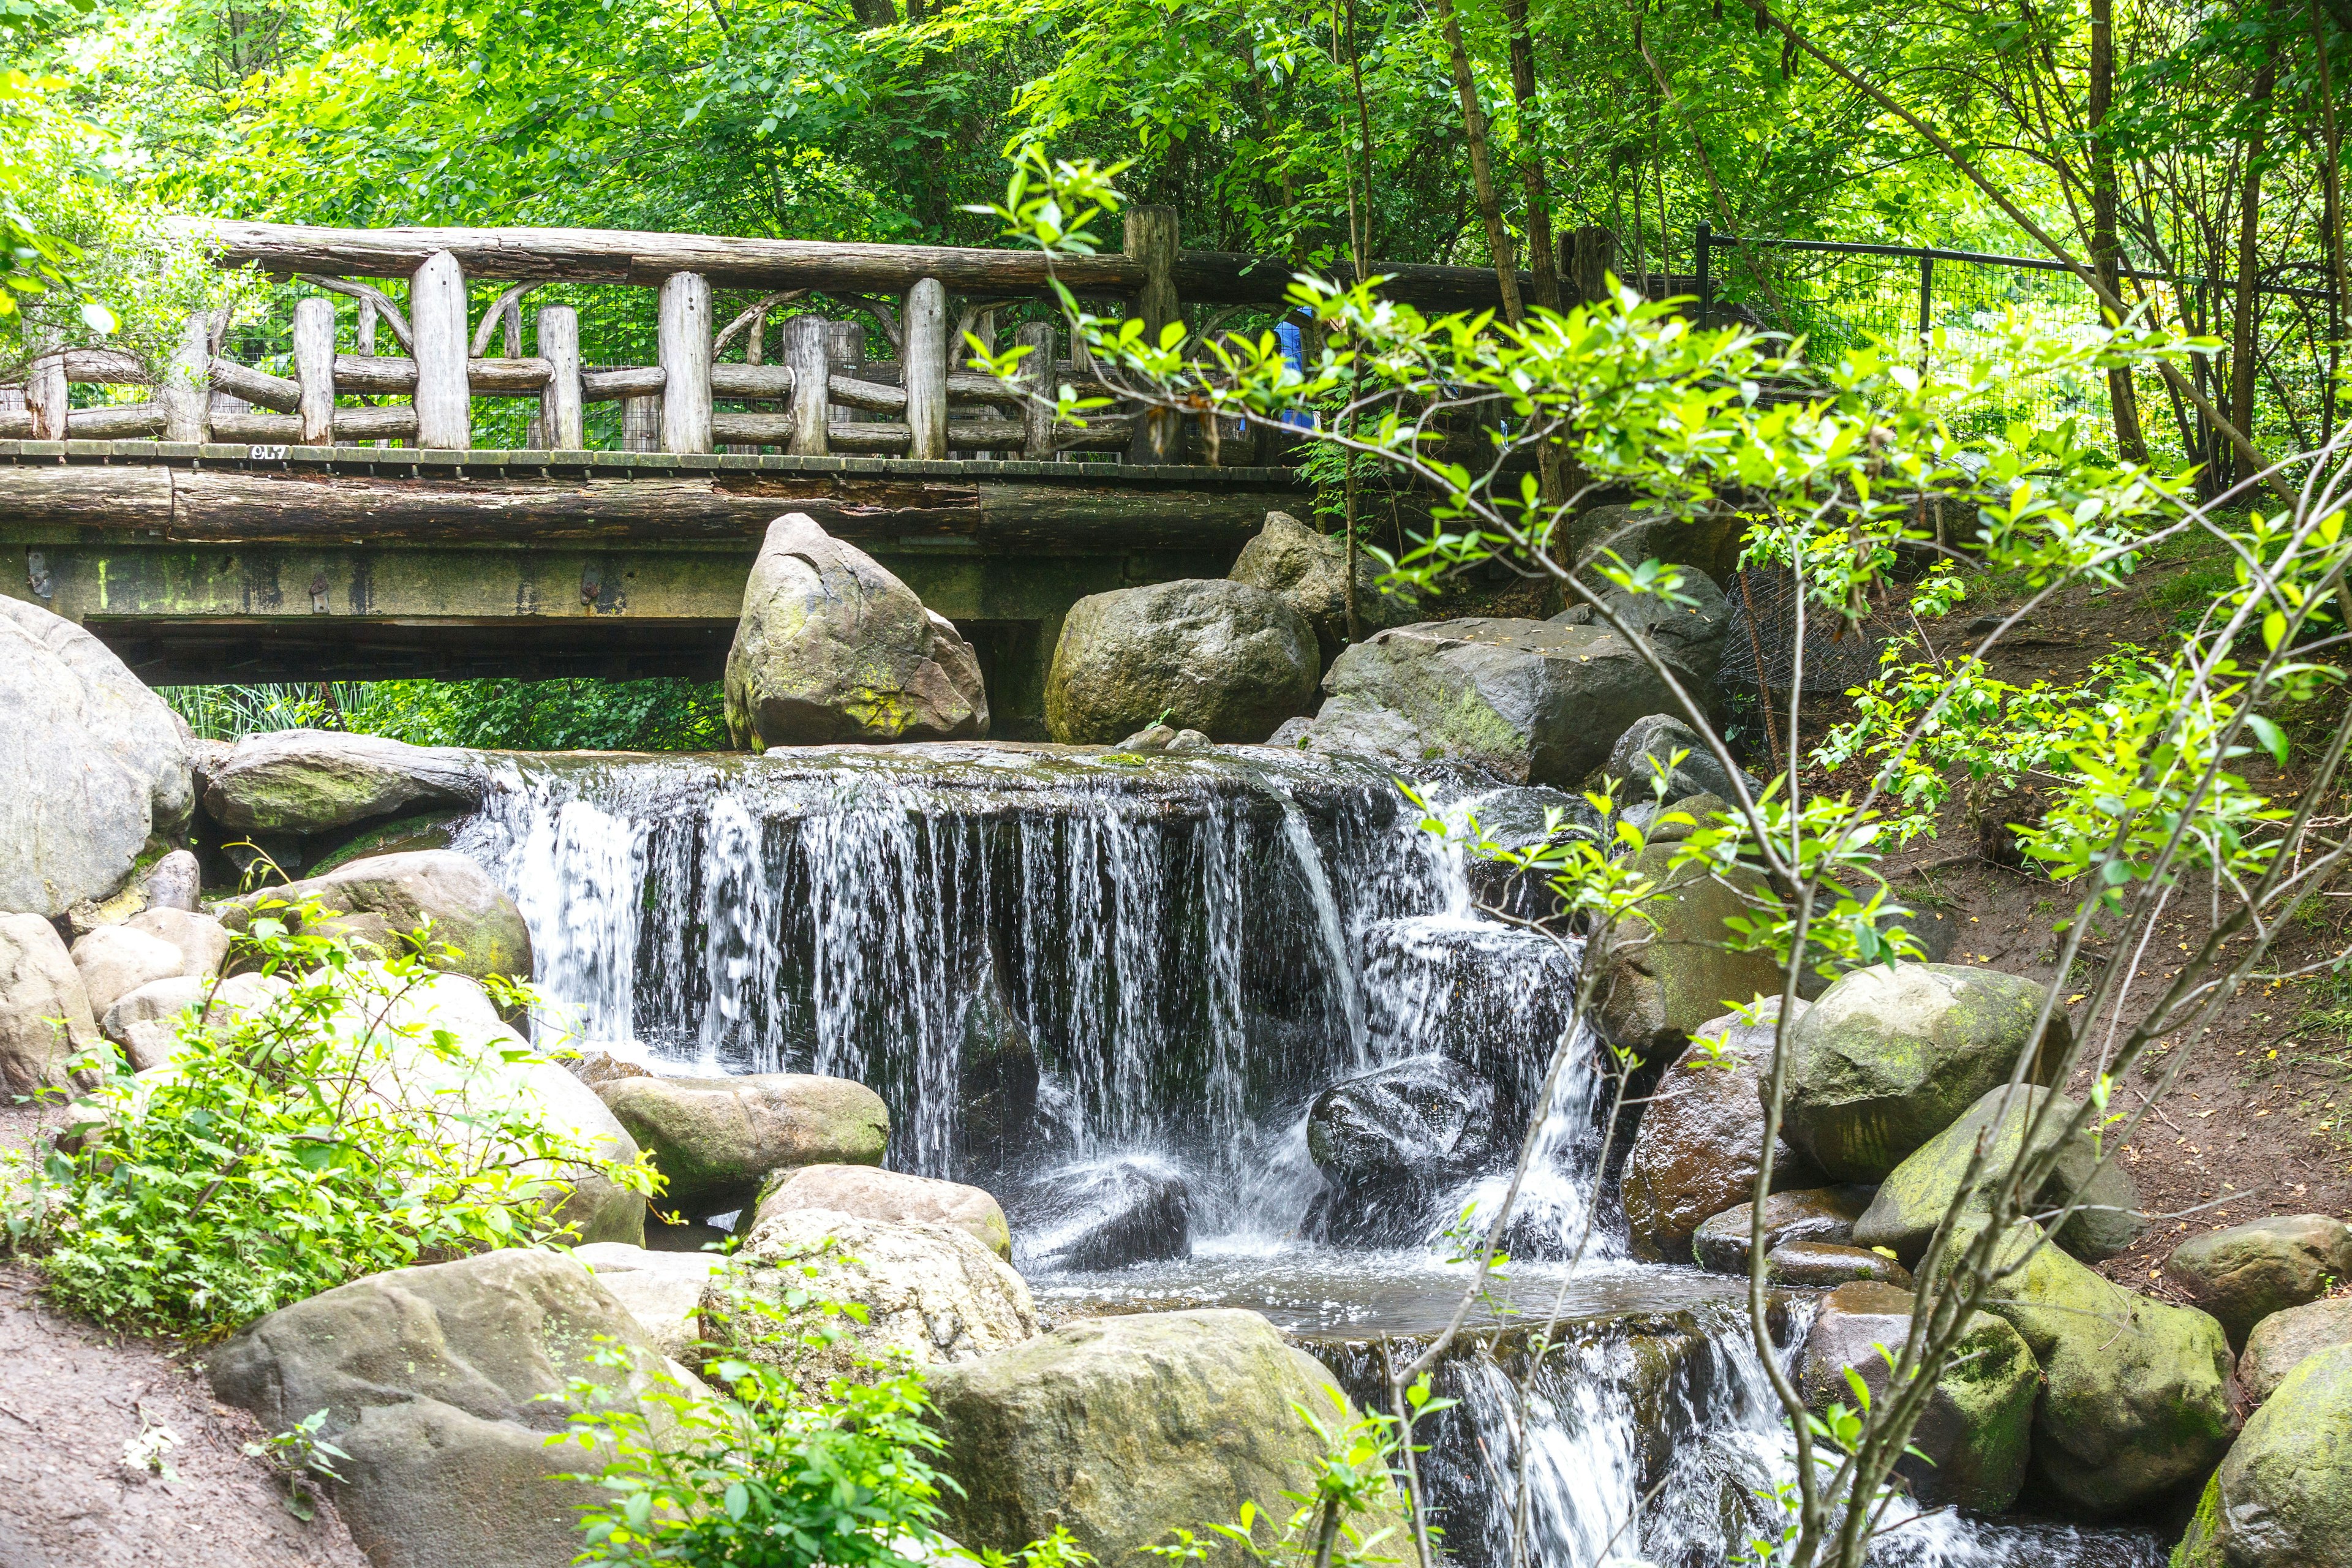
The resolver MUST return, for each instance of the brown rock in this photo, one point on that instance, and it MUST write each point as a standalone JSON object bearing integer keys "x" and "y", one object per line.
{"x": 2249, "y": 1271}
{"x": 2283, "y": 1340}
{"x": 1827, "y": 1263}
{"x": 1816, "y": 1213}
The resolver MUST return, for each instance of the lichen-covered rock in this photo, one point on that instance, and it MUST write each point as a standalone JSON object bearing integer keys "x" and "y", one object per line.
{"x": 443, "y": 1385}
{"x": 832, "y": 648}
{"x": 1309, "y": 570}
{"x": 1118, "y": 1428}
{"x": 2283, "y": 1499}
{"x": 931, "y": 1293}
{"x": 2249, "y": 1271}
{"x": 1701, "y": 1138}
{"x": 872, "y": 1194}
{"x": 1814, "y": 1214}
{"x": 1977, "y": 1429}
{"x": 1223, "y": 657}
{"x": 1913, "y": 1201}
{"x": 310, "y": 781}
{"x": 1821, "y": 1265}
{"x": 1892, "y": 1055}
{"x": 715, "y": 1140}
{"x": 1533, "y": 701}
{"x": 1103, "y": 1213}
{"x": 45, "y": 1015}
{"x": 116, "y": 960}
{"x": 93, "y": 767}
{"x": 2281, "y": 1340}
{"x": 1689, "y": 636}
{"x": 377, "y": 903}
{"x": 2136, "y": 1395}
{"x": 1668, "y": 977}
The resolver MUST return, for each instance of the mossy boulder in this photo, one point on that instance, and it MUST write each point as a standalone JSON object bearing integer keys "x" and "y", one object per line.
{"x": 2243, "y": 1274}
{"x": 1913, "y": 1200}
{"x": 2136, "y": 1396}
{"x": 1223, "y": 657}
{"x": 2283, "y": 1499}
{"x": 313, "y": 781}
{"x": 377, "y": 904}
{"x": 1892, "y": 1055}
{"x": 715, "y": 1140}
{"x": 2280, "y": 1342}
{"x": 1119, "y": 1428}
{"x": 1977, "y": 1430}
{"x": 1309, "y": 571}
{"x": 1668, "y": 978}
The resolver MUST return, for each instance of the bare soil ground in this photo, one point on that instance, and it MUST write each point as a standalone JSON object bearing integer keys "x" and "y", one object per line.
{"x": 73, "y": 1395}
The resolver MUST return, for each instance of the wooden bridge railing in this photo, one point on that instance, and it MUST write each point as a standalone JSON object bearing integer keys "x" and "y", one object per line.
{"x": 810, "y": 403}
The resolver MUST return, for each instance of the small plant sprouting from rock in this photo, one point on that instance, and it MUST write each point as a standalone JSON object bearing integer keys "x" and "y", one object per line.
{"x": 302, "y": 1458}
{"x": 1346, "y": 1519}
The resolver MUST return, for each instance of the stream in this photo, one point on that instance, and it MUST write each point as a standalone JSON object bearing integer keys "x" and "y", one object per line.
{"x": 1109, "y": 993}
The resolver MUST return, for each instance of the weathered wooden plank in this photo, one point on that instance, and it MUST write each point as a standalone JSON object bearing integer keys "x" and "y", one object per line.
{"x": 924, "y": 353}
{"x": 756, "y": 429}
{"x": 184, "y": 392}
{"x": 621, "y": 383}
{"x": 397, "y": 422}
{"x": 730, "y": 378}
{"x": 682, "y": 344}
{"x": 378, "y": 373}
{"x": 436, "y": 315}
{"x": 118, "y": 496}
{"x": 984, "y": 434}
{"x": 1035, "y": 516}
{"x": 1036, "y": 365}
{"x": 115, "y": 422}
{"x": 314, "y": 369}
{"x": 108, "y": 367}
{"x": 256, "y": 387}
{"x": 805, "y": 357}
{"x": 556, "y": 330}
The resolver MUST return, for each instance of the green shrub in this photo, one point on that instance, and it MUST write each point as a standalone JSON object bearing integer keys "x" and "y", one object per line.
{"x": 329, "y": 1134}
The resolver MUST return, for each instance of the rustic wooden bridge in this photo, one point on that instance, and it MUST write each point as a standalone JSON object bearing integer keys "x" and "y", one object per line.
{"x": 237, "y": 524}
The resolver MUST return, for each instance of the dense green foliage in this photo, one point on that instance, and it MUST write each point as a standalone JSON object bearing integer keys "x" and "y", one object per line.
{"x": 657, "y": 715}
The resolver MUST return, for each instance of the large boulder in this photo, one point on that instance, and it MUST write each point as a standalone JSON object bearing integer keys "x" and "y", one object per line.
{"x": 2284, "y": 1496}
{"x": 833, "y": 647}
{"x": 1669, "y": 976}
{"x": 116, "y": 960}
{"x": 1712, "y": 543}
{"x": 310, "y": 781}
{"x": 1644, "y": 754}
{"x": 1118, "y": 1428}
{"x": 2281, "y": 1342}
{"x": 1523, "y": 817}
{"x": 714, "y": 1140}
{"x": 1973, "y": 1437}
{"x": 377, "y": 904}
{"x": 93, "y": 767}
{"x": 1533, "y": 701}
{"x": 1701, "y": 1138}
{"x": 1687, "y": 636}
{"x": 443, "y": 1385}
{"x": 146, "y": 1022}
{"x": 932, "y": 1294}
{"x": 203, "y": 941}
{"x": 44, "y": 1015}
{"x": 2136, "y": 1395}
{"x": 871, "y": 1194}
{"x": 1389, "y": 1142}
{"x": 1105, "y": 1214}
{"x": 1223, "y": 657}
{"x": 1309, "y": 570}
{"x": 662, "y": 1291}
{"x": 1813, "y": 1214}
{"x": 1913, "y": 1199}
{"x": 1892, "y": 1055}
{"x": 2246, "y": 1273}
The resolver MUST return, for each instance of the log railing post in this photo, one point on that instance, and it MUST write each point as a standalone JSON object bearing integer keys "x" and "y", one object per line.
{"x": 844, "y": 350}
{"x": 436, "y": 319}
{"x": 755, "y": 352}
{"x": 314, "y": 368}
{"x": 641, "y": 423}
{"x": 804, "y": 352}
{"x": 1037, "y": 381}
{"x": 44, "y": 386}
{"x": 682, "y": 348}
{"x": 1152, "y": 240}
{"x": 924, "y": 357}
{"x": 184, "y": 390}
{"x": 561, "y": 423}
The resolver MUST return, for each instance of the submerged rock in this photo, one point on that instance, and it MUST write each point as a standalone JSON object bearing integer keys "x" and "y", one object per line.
{"x": 443, "y": 1385}
{"x": 870, "y": 1193}
{"x": 833, "y": 647}
{"x": 1390, "y": 1141}
{"x": 1662, "y": 981}
{"x": 378, "y": 902}
{"x": 93, "y": 767}
{"x": 1115, "y": 1428}
{"x": 44, "y": 1015}
{"x": 1891, "y": 1055}
{"x": 1816, "y": 1213}
{"x": 1701, "y": 1138}
{"x": 1105, "y": 1214}
{"x": 1913, "y": 1199}
{"x": 2247, "y": 1272}
{"x": 1227, "y": 660}
{"x": 2283, "y": 1499}
{"x": 310, "y": 781}
{"x": 1977, "y": 1430}
{"x": 1309, "y": 571}
{"x": 715, "y": 1140}
{"x": 2280, "y": 1341}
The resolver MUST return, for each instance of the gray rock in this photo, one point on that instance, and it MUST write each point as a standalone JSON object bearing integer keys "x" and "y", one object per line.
{"x": 443, "y": 1384}
{"x": 1309, "y": 570}
{"x": 1815, "y": 1214}
{"x": 2281, "y": 1340}
{"x": 1148, "y": 740}
{"x": 871, "y": 1194}
{"x": 2247, "y": 1272}
{"x": 309, "y": 781}
{"x": 2284, "y": 1496}
{"x": 202, "y": 940}
{"x": 1189, "y": 744}
{"x": 715, "y": 1140}
{"x": 1701, "y": 1138}
{"x": 1643, "y": 751}
{"x": 1661, "y": 982}
{"x": 45, "y": 1015}
{"x": 146, "y": 1022}
{"x": 1227, "y": 660}
{"x": 832, "y": 648}
{"x": 1711, "y": 543}
{"x": 93, "y": 767}
{"x": 662, "y": 1291}
{"x": 1919, "y": 1193}
{"x": 1519, "y": 817}
{"x": 1820, "y": 1265}
{"x": 117, "y": 960}
{"x": 1116, "y": 1428}
{"x": 379, "y": 901}
{"x": 175, "y": 882}
{"x": 1105, "y": 1214}
{"x": 1532, "y": 702}
{"x": 1689, "y": 636}
{"x": 1389, "y": 1142}
{"x": 1892, "y": 1055}
{"x": 1975, "y": 1434}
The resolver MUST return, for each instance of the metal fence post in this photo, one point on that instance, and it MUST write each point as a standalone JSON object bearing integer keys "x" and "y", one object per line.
{"x": 1705, "y": 278}
{"x": 1926, "y": 299}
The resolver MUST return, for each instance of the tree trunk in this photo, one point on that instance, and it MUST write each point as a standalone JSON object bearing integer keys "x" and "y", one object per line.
{"x": 1523, "y": 97}
{"x": 1481, "y": 169}
{"x": 2105, "y": 252}
{"x": 2248, "y": 303}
